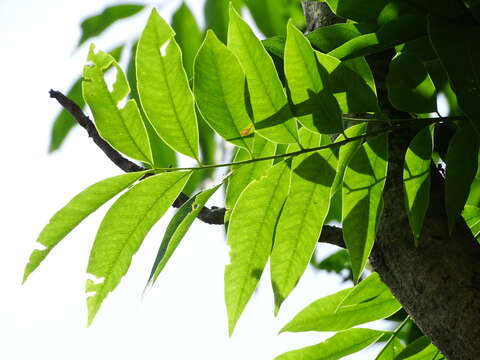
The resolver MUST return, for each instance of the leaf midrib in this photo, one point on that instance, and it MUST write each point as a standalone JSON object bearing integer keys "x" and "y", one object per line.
{"x": 114, "y": 264}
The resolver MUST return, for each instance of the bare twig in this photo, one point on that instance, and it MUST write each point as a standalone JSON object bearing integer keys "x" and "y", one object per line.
{"x": 212, "y": 216}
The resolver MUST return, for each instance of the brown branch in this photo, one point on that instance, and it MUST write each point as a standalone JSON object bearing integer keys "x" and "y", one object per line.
{"x": 212, "y": 216}
{"x": 332, "y": 235}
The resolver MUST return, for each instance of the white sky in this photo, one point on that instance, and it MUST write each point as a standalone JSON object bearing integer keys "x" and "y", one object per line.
{"x": 183, "y": 316}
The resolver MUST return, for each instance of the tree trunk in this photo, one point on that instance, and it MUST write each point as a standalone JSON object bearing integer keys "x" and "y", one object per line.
{"x": 438, "y": 283}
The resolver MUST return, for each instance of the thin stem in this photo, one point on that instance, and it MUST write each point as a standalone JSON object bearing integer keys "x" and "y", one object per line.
{"x": 438, "y": 119}
{"x": 279, "y": 156}
{"x": 394, "y": 335}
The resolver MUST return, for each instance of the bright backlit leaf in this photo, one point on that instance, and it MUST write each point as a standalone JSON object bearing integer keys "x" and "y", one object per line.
{"x": 415, "y": 92}
{"x": 339, "y": 311}
{"x": 346, "y": 153}
{"x": 122, "y": 127}
{"x": 250, "y": 236}
{"x": 163, "y": 87}
{"x": 72, "y": 214}
{"x": 177, "y": 228}
{"x": 244, "y": 174}
{"x": 362, "y": 198}
{"x": 391, "y": 350}
{"x": 416, "y": 179}
{"x": 462, "y": 162}
{"x": 64, "y": 122}
{"x": 272, "y": 116}
{"x": 219, "y": 87}
{"x": 122, "y": 232}
{"x": 301, "y": 220}
{"x": 339, "y": 345}
{"x": 316, "y": 107}
{"x": 162, "y": 155}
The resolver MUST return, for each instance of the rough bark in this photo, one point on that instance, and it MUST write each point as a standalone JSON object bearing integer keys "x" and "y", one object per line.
{"x": 438, "y": 283}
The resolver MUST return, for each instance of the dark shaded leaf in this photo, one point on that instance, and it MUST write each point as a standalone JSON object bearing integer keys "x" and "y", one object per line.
{"x": 416, "y": 179}
{"x": 95, "y": 25}
{"x": 456, "y": 44}
{"x": 177, "y": 228}
{"x": 188, "y": 36}
{"x": 415, "y": 92}
{"x": 462, "y": 162}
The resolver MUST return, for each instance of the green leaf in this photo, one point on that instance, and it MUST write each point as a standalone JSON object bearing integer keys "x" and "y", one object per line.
{"x": 350, "y": 9}
{"x": 163, "y": 87}
{"x": 177, "y": 228}
{"x": 72, "y": 214}
{"x": 462, "y": 163}
{"x": 64, "y": 122}
{"x": 456, "y": 44}
{"x": 336, "y": 347}
{"x": 219, "y": 87}
{"x": 162, "y": 155}
{"x": 272, "y": 116}
{"x": 245, "y": 174}
{"x": 392, "y": 33}
{"x": 351, "y": 82}
{"x": 216, "y": 16}
{"x": 391, "y": 350}
{"x": 270, "y": 16}
{"x": 122, "y": 232}
{"x": 327, "y": 38}
{"x": 420, "y": 349}
{"x": 301, "y": 220}
{"x": 188, "y": 36}
{"x": 339, "y": 311}
{"x": 362, "y": 197}
{"x": 369, "y": 288}
{"x": 316, "y": 107}
{"x": 95, "y": 25}
{"x": 346, "y": 153}
{"x": 415, "y": 92}
{"x": 471, "y": 214}
{"x": 416, "y": 179}
{"x": 250, "y": 236}
{"x": 122, "y": 127}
